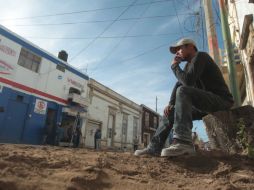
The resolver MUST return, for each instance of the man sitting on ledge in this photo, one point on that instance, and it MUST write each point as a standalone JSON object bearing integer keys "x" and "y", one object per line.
{"x": 200, "y": 90}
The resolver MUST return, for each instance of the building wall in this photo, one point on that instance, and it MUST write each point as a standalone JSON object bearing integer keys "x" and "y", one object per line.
{"x": 27, "y": 96}
{"x": 20, "y": 123}
{"x": 237, "y": 11}
{"x": 243, "y": 8}
{"x": 104, "y": 101}
{"x": 148, "y": 129}
{"x": 48, "y": 79}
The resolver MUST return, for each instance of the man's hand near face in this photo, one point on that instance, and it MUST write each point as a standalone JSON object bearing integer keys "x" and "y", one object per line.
{"x": 177, "y": 60}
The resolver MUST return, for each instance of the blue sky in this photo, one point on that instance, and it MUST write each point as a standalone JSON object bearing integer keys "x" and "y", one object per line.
{"x": 123, "y": 44}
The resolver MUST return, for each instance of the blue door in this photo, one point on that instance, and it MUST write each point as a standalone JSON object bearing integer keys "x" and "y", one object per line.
{"x": 13, "y": 125}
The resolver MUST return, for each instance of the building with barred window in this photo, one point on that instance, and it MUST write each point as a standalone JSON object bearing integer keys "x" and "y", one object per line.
{"x": 118, "y": 118}
{"x": 150, "y": 122}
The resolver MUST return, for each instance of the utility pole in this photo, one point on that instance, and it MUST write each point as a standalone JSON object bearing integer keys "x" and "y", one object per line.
{"x": 156, "y": 104}
{"x": 230, "y": 53}
{"x": 211, "y": 32}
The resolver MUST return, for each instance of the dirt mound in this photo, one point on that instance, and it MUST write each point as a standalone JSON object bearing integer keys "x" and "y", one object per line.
{"x": 43, "y": 167}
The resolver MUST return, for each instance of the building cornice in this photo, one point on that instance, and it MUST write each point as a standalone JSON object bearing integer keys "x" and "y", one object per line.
{"x": 93, "y": 84}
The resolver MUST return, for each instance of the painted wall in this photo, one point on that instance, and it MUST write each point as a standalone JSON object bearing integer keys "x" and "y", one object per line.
{"x": 20, "y": 122}
{"x": 101, "y": 101}
{"x": 48, "y": 80}
{"x": 23, "y": 91}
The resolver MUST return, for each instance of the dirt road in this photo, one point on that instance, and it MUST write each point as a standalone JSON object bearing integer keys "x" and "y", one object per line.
{"x": 45, "y": 168}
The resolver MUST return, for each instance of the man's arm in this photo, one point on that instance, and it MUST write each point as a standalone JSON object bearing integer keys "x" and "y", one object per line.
{"x": 192, "y": 72}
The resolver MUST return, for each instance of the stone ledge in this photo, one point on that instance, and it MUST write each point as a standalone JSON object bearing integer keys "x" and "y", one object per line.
{"x": 223, "y": 129}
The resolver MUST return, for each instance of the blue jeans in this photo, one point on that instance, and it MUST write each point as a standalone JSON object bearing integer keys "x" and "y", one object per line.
{"x": 191, "y": 104}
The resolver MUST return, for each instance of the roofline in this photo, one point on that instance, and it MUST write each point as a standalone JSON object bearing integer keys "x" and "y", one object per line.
{"x": 142, "y": 105}
{"x": 137, "y": 106}
{"x": 36, "y": 49}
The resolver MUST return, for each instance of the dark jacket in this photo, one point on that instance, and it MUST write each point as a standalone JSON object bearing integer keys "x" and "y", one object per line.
{"x": 97, "y": 134}
{"x": 203, "y": 73}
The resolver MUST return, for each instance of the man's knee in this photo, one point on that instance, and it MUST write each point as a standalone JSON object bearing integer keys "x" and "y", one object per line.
{"x": 184, "y": 90}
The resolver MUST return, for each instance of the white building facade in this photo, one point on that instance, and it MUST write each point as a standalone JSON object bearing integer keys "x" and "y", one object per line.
{"x": 118, "y": 118}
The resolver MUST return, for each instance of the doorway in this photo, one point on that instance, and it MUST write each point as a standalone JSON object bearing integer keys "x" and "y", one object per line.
{"x": 50, "y": 126}
{"x": 14, "y": 121}
{"x": 146, "y": 139}
{"x": 91, "y": 128}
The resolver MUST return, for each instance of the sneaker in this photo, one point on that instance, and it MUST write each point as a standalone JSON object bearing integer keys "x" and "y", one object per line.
{"x": 142, "y": 152}
{"x": 178, "y": 149}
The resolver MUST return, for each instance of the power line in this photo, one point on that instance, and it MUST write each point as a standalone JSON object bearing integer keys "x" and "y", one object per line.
{"x": 103, "y": 37}
{"x": 89, "y": 44}
{"x": 191, "y": 23}
{"x": 141, "y": 54}
{"x": 96, "y": 21}
{"x": 177, "y": 17}
{"x": 188, "y": 5}
{"x": 126, "y": 33}
{"x": 186, "y": 27}
{"x": 78, "y": 12}
{"x": 145, "y": 52}
{"x": 216, "y": 10}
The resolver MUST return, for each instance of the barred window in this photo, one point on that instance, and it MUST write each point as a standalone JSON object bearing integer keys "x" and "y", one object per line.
{"x": 29, "y": 60}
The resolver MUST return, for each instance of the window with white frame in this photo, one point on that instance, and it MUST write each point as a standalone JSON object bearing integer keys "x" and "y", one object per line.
{"x": 29, "y": 60}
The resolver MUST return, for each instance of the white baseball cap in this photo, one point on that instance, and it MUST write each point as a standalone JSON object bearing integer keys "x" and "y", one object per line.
{"x": 173, "y": 49}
